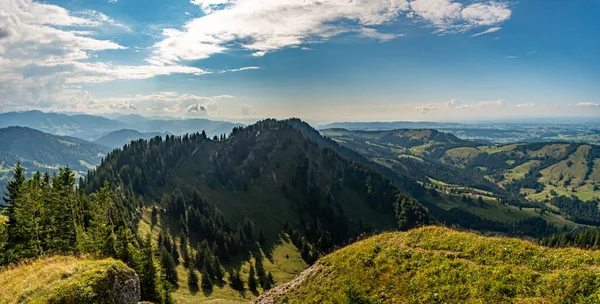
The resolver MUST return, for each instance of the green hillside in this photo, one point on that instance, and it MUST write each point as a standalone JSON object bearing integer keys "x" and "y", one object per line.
{"x": 440, "y": 265}
{"x": 39, "y": 151}
{"x": 525, "y": 175}
{"x": 71, "y": 280}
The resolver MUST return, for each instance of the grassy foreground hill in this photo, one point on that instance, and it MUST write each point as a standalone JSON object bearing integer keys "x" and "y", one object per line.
{"x": 440, "y": 265}
{"x": 63, "y": 279}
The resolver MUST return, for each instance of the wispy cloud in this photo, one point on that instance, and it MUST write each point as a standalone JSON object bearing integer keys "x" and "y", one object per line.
{"x": 374, "y": 34}
{"x": 526, "y": 105}
{"x": 585, "y": 104}
{"x": 456, "y": 105}
{"x": 488, "y": 31}
{"x": 512, "y": 57}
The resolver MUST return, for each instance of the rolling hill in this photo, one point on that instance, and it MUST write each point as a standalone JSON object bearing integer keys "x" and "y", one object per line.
{"x": 579, "y": 130}
{"x": 91, "y": 127}
{"x": 526, "y": 175}
{"x": 440, "y": 265}
{"x": 83, "y": 126}
{"x": 177, "y": 126}
{"x": 118, "y": 139}
{"x": 39, "y": 151}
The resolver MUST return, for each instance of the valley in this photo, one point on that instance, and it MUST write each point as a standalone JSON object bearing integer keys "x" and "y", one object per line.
{"x": 530, "y": 176}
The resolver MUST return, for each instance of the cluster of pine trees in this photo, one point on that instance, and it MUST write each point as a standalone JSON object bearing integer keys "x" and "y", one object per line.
{"x": 50, "y": 215}
{"x": 586, "y": 238}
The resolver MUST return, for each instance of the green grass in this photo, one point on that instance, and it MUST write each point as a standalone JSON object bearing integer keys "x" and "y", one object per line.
{"x": 551, "y": 150}
{"x": 440, "y": 265}
{"x": 460, "y": 156}
{"x": 491, "y": 210}
{"x": 576, "y": 171}
{"x": 63, "y": 279}
{"x": 519, "y": 172}
{"x": 284, "y": 262}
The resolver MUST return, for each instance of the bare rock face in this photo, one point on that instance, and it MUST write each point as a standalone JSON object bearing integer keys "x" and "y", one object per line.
{"x": 125, "y": 289}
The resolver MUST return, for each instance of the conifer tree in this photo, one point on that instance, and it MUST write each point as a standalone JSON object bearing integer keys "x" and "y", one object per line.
{"x": 260, "y": 268}
{"x": 192, "y": 279}
{"x": 169, "y": 266}
{"x": 14, "y": 185}
{"x": 147, "y": 272}
{"x": 183, "y": 245}
{"x": 252, "y": 284}
{"x": 218, "y": 270}
{"x": 235, "y": 280}
{"x": 207, "y": 283}
{"x": 154, "y": 216}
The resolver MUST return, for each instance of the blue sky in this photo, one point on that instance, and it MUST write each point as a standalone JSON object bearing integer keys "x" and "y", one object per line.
{"x": 327, "y": 60}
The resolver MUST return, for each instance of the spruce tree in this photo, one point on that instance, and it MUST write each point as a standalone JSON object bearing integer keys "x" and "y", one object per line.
{"x": 260, "y": 269}
{"x": 207, "y": 283}
{"x": 169, "y": 266}
{"x": 192, "y": 279}
{"x": 235, "y": 280}
{"x": 218, "y": 270}
{"x": 14, "y": 185}
{"x": 183, "y": 245}
{"x": 154, "y": 216}
{"x": 147, "y": 272}
{"x": 252, "y": 284}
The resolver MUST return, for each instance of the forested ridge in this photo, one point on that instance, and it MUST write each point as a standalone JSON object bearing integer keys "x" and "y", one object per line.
{"x": 218, "y": 200}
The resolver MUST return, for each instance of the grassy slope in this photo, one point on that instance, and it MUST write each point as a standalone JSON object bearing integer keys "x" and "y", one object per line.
{"x": 551, "y": 177}
{"x": 284, "y": 262}
{"x": 439, "y": 265}
{"x": 74, "y": 280}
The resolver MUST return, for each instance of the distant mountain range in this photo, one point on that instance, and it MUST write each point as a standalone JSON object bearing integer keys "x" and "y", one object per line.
{"x": 118, "y": 139}
{"x": 91, "y": 127}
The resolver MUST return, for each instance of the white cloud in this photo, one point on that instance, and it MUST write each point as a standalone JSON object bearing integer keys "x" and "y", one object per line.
{"x": 586, "y": 104}
{"x": 454, "y": 17}
{"x": 306, "y": 49}
{"x": 259, "y": 54}
{"x": 241, "y": 69}
{"x": 374, "y": 34}
{"x": 196, "y": 108}
{"x": 526, "y": 105}
{"x": 170, "y": 102}
{"x": 46, "y": 49}
{"x": 268, "y": 25}
{"x": 424, "y": 109}
{"x": 113, "y": 1}
{"x": 122, "y": 106}
{"x": 488, "y": 31}
{"x": 454, "y": 104}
